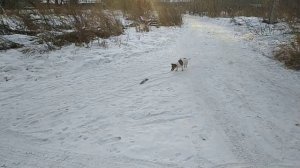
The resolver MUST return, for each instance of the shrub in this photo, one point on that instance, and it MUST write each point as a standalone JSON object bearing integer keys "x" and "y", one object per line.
{"x": 89, "y": 24}
{"x": 290, "y": 55}
{"x": 169, "y": 16}
{"x": 132, "y": 8}
{"x": 64, "y": 24}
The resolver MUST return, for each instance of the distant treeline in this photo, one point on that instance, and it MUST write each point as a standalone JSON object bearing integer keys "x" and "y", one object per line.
{"x": 260, "y": 8}
{"x": 289, "y": 9}
{"x": 19, "y": 4}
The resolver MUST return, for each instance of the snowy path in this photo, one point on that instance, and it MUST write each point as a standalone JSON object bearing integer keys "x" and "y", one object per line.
{"x": 232, "y": 108}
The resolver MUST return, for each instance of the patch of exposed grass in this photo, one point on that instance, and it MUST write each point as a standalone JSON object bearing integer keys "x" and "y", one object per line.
{"x": 290, "y": 55}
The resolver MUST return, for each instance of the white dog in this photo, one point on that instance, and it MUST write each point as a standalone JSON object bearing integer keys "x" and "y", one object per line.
{"x": 182, "y": 63}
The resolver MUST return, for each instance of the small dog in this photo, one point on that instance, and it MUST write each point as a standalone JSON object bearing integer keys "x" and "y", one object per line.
{"x": 182, "y": 62}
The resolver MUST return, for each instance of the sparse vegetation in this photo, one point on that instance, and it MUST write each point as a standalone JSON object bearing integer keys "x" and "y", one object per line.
{"x": 63, "y": 24}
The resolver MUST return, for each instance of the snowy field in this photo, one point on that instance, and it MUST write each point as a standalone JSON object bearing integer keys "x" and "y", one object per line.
{"x": 233, "y": 107}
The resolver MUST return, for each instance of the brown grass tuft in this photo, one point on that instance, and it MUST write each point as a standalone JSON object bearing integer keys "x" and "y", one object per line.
{"x": 290, "y": 55}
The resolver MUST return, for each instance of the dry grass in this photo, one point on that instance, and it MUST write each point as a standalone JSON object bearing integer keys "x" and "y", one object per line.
{"x": 169, "y": 16}
{"x": 290, "y": 55}
{"x": 61, "y": 25}
{"x": 131, "y": 8}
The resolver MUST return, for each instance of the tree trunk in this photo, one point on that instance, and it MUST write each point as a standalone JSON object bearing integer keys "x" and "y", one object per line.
{"x": 74, "y": 1}
{"x": 273, "y": 17}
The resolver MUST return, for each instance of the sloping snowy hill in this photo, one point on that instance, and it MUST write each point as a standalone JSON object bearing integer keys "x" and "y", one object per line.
{"x": 85, "y": 107}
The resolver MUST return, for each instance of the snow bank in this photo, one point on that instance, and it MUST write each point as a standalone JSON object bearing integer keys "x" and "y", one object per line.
{"x": 261, "y": 36}
{"x": 100, "y": 51}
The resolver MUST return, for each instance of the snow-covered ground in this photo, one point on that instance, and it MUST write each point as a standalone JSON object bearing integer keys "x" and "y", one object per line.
{"x": 84, "y": 107}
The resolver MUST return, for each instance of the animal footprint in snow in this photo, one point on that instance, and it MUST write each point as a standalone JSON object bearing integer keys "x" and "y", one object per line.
{"x": 113, "y": 139}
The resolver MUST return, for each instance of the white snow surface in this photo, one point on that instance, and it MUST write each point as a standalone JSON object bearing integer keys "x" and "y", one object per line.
{"x": 84, "y": 107}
